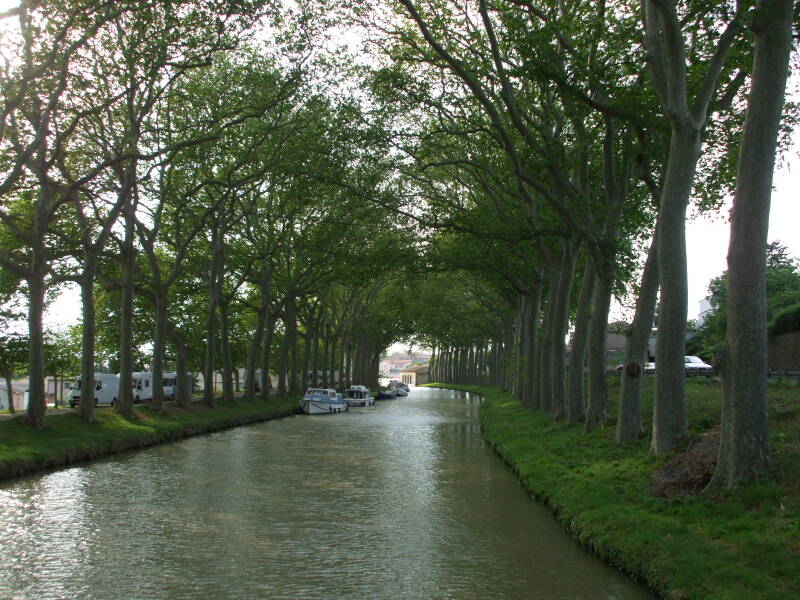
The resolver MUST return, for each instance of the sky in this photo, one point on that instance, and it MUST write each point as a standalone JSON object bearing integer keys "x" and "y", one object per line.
{"x": 707, "y": 237}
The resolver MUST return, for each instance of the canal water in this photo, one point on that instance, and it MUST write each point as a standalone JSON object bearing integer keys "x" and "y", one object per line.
{"x": 400, "y": 500}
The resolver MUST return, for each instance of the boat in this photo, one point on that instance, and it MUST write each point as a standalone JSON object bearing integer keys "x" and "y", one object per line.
{"x": 386, "y": 394}
{"x": 320, "y": 401}
{"x": 400, "y": 388}
{"x": 358, "y": 395}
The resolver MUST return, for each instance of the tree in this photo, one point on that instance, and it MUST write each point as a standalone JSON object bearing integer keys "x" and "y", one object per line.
{"x": 744, "y": 440}
{"x": 62, "y": 349}
{"x": 782, "y": 288}
{"x": 36, "y": 126}
{"x": 13, "y": 360}
{"x": 687, "y": 79}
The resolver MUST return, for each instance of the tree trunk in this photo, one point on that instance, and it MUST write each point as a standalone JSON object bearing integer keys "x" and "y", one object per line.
{"x": 293, "y": 373}
{"x": 88, "y": 335}
{"x": 183, "y": 391}
{"x": 266, "y": 380}
{"x": 346, "y": 348}
{"x": 124, "y": 403}
{"x": 597, "y": 411}
{"x": 284, "y": 360}
{"x": 326, "y": 342}
{"x": 544, "y": 392}
{"x": 306, "y": 368}
{"x": 560, "y": 325}
{"x": 670, "y": 422}
{"x": 37, "y": 404}
{"x": 315, "y": 356}
{"x": 336, "y": 379}
{"x": 225, "y": 350}
{"x": 159, "y": 334}
{"x": 7, "y": 376}
{"x": 253, "y": 351}
{"x": 211, "y": 326}
{"x": 744, "y": 449}
{"x": 523, "y": 380}
{"x": 629, "y": 419}
{"x": 580, "y": 341}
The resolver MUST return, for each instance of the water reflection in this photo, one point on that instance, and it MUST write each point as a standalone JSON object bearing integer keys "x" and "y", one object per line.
{"x": 400, "y": 500}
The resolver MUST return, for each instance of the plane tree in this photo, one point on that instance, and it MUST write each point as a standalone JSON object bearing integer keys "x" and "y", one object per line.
{"x": 692, "y": 53}
{"x": 52, "y": 96}
{"x": 576, "y": 162}
{"x": 744, "y": 446}
{"x": 36, "y": 125}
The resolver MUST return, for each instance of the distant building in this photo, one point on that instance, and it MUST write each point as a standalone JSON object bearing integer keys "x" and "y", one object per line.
{"x": 415, "y": 375}
{"x": 703, "y": 312}
{"x": 17, "y": 393}
{"x": 394, "y": 364}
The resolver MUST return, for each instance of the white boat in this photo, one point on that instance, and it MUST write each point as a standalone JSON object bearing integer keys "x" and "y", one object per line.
{"x": 319, "y": 401}
{"x": 400, "y": 388}
{"x": 358, "y": 395}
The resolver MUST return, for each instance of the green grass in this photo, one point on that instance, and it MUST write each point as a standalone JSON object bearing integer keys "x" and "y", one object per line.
{"x": 740, "y": 544}
{"x": 67, "y": 439}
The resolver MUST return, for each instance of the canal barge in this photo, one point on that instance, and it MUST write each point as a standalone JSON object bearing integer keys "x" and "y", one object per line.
{"x": 358, "y": 395}
{"x": 318, "y": 401}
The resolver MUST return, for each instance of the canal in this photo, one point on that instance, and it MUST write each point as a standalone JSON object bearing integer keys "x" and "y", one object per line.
{"x": 399, "y": 500}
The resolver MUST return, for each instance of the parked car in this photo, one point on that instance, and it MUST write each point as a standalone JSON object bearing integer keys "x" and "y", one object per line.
{"x": 650, "y": 367}
{"x": 695, "y": 366}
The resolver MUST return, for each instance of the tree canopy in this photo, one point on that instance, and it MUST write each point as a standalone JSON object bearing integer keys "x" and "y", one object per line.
{"x": 237, "y": 188}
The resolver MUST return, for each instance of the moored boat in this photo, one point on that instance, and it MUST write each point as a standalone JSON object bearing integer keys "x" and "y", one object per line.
{"x": 358, "y": 395}
{"x": 320, "y": 401}
{"x": 386, "y": 394}
{"x": 400, "y": 388}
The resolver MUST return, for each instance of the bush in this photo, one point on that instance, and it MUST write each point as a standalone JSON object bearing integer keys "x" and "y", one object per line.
{"x": 786, "y": 321}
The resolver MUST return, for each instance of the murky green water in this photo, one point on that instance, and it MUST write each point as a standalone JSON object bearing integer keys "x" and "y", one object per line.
{"x": 400, "y": 500}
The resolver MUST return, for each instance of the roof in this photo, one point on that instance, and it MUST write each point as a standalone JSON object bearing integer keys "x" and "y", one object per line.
{"x": 15, "y": 387}
{"x": 417, "y": 369}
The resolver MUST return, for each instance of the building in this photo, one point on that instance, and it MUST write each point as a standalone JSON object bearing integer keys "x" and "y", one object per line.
{"x": 415, "y": 375}
{"x": 18, "y": 394}
{"x": 394, "y": 364}
{"x": 703, "y": 312}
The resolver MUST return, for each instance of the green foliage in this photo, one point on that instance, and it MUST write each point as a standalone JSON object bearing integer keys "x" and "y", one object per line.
{"x": 63, "y": 351}
{"x": 13, "y": 355}
{"x": 786, "y": 321}
{"x": 783, "y": 292}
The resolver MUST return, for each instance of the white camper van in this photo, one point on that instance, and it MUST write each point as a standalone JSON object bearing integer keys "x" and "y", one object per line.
{"x": 142, "y": 382}
{"x": 106, "y": 389}
{"x": 171, "y": 384}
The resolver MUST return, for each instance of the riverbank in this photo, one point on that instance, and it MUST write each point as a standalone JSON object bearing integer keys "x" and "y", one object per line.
{"x": 69, "y": 440}
{"x": 684, "y": 544}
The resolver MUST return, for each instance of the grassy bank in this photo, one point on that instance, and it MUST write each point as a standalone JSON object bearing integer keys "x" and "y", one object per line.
{"x": 68, "y": 439}
{"x": 742, "y": 544}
